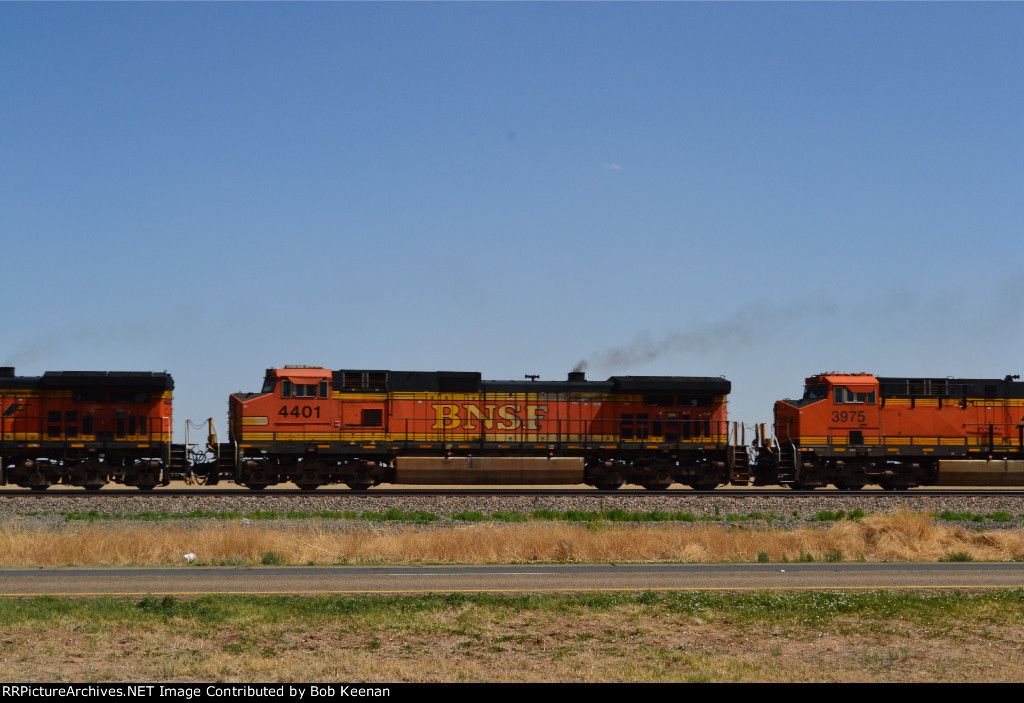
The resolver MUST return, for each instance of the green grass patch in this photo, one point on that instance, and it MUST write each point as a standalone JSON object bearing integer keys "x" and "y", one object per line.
{"x": 394, "y": 514}
{"x": 957, "y": 556}
{"x": 803, "y": 608}
{"x": 998, "y": 516}
{"x": 272, "y": 559}
{"x": 153, "y": 516}
{"x": 838, "y": 515}
{"x": 613, "y": 515}
{"x": 401, "y": 515}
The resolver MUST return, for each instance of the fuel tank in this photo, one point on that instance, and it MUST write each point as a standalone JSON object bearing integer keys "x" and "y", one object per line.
{"x": 468, "y": 470}
{"x": 979, "y": 472}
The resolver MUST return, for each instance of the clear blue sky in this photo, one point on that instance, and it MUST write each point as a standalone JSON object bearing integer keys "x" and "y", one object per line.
{"x": 760, "y": 191}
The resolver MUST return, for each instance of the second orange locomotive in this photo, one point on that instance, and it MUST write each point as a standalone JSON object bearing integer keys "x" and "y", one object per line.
{"x": 314, "y": 426}
{"x": 851, "y": 430}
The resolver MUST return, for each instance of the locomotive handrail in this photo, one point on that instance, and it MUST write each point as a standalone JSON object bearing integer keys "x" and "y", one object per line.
{"x": 168, "y": 443}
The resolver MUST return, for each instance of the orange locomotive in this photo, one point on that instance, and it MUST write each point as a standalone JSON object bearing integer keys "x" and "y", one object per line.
{"x": 85, "y": 428}
{"x": 851, "y": 430}
{"x": 313, "y": 426}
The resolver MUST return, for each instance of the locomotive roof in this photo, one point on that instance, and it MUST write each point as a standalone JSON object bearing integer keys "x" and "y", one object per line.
{"x": 946, "y": 387}
{"x": 151, "y": 380}
{"x": 846, "y": 378}
{"x": 693, "y": 384}
{"x": 472, "y": 382}
{"x": 902, "y": 386}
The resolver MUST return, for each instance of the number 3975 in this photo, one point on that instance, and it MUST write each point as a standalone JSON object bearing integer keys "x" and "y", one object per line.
{"x": 847, "y": 416}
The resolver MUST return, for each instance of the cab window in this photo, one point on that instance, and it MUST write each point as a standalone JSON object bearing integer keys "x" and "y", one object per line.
{"x": 844, "y": 396}
{"x": 816, "y": 393}
{"x": 303, "y": 390}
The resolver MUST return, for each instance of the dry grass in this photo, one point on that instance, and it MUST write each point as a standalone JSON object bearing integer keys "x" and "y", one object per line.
{"x": 904, "y": 536}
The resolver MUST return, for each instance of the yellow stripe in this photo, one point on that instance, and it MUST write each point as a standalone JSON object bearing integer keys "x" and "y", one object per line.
{"x": 951, "y": 402}
{"x": 438, "y": 438}
{"x": 81, "y": 438}
{"x": 842, "y": 440}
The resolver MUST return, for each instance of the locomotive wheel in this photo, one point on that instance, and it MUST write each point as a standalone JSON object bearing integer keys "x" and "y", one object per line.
{"x": 849, "y": 485}
{"x": 704, "y": 486}
{"x": 146, "y": 486}
{"x": 92, "y": 487}
{"x": 256, "y": 486}
{"x": 307, "y": 486}
{"x": 800, "y": 486}
{"x": 656, "y": 486}
{"x": 39, "y": 488}
{"x": 359, "y": 484}
{"x": 890, "y": 486}
{"x": 608, "y": 485}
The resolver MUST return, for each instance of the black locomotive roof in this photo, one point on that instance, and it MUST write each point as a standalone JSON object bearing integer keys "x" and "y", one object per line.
{"x": 9, "y": 380}
{"x": 688, "y": 384}
{"x": 905, "y": 387}
{"x": 472, "y": 382}
{"x": 148, "y": 380}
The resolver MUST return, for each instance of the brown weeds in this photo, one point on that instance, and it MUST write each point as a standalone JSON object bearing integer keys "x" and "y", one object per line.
{"x": 904, "y": 536}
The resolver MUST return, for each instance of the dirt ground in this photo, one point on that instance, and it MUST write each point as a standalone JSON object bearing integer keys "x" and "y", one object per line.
{"x": 625, "y": 645}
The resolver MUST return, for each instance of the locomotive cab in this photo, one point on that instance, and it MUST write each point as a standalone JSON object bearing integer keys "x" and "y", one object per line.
{"x": 824, "y": 436}
{"x": 294, "y": 399}
{"x": 835, "y": 409}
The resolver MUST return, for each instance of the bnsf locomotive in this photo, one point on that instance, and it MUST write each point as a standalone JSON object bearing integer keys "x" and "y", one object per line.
{"x": 850, "y": 430}
{"x": 85, "y": 428}
{"x": 311, "y": 426}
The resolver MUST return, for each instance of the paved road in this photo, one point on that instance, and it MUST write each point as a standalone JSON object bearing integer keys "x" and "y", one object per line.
{"x": 386, "y": 580}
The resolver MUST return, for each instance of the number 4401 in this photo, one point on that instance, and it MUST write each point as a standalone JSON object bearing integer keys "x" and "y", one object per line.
{"x": 306, "y": 411}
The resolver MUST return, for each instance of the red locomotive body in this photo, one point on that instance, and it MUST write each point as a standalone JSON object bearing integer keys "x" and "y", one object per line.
{"x": 84, "y": 428}
{"x": 855, "y": 429}
{"x": 314, "y": 426}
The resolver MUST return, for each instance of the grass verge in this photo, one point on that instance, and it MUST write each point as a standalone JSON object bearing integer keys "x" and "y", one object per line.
{"x": 646, "y": 637}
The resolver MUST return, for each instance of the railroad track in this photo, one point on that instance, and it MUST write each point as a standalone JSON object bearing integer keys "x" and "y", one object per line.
{"x": 377, "y": 493}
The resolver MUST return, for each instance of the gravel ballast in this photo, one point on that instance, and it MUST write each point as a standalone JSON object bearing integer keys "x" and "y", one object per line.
{"x": 786, "y": 509}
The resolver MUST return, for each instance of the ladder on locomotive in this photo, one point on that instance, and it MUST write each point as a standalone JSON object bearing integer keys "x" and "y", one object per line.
{"x": 736, "y": 456}
{"x": 787, "y": 458}
{"x": 739, "y": 465}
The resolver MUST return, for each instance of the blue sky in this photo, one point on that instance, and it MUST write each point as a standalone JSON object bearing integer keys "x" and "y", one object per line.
{"x": 756, "y": 190}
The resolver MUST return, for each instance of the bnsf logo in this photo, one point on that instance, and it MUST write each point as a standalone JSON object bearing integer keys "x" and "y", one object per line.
{"x": 493, "y": 417}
